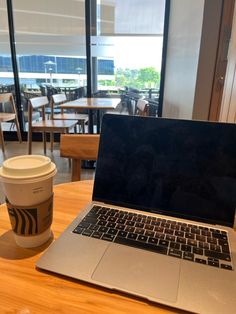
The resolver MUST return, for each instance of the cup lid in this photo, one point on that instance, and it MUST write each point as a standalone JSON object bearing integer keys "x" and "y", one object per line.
{"x": 26, "y": 166}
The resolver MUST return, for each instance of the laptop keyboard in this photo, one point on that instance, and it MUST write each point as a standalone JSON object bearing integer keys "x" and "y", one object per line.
{"x": 190, "y": 242}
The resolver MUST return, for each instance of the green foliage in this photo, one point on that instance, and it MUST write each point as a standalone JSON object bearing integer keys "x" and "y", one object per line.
{"x": 143, "y": 78}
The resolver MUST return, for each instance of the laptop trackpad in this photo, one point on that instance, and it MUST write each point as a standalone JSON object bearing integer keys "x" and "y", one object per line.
{"x": 141, "y": 272}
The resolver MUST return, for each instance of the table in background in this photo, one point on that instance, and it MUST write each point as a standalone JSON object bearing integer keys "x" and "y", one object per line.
{"x": 25, "y": 290}
{"x": 92, "y": 104}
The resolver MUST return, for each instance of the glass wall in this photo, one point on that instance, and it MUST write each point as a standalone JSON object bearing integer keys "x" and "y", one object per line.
{"x": 50, "y": 46}
{"x": 6, "y": 72}
{"x": 129, "y": 33}
{"x": 6, "y": 75}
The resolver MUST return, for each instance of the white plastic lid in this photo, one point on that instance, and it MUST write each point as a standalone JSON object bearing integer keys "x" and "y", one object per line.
{"x": 26, "y": 166}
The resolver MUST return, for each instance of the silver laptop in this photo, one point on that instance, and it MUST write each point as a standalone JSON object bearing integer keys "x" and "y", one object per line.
{"x": 161, "y": 222}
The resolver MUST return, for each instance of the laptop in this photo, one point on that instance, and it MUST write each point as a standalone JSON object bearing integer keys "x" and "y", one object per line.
{"x": 160, "y": 225}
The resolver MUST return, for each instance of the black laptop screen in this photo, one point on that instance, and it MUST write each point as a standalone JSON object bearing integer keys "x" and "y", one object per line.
{"x": 180, "y": 168}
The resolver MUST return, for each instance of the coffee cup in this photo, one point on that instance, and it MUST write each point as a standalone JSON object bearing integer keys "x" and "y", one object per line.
{"x": 27, "y": 183}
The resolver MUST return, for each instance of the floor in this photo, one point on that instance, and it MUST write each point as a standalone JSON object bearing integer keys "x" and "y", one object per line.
{"x": 63, "y": 169}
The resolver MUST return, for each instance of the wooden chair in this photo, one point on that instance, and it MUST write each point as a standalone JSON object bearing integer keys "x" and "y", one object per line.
{"x": 10, "y": 115}
{"x": 79, "y": 147}
{"x": 60, "y": 99}
{"x": 45, "y": 126}
{"x": 142, "y": 108}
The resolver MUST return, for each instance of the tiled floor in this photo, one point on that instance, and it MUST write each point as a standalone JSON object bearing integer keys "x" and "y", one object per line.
{"x": 63, "y": 170}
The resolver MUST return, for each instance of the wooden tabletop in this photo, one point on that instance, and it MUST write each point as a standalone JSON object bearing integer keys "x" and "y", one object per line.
{"x": 91, "y": 103}
{"x": 25, "y": 290}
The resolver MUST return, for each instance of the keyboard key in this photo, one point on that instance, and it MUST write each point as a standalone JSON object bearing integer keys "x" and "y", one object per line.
{"x": 87, "y": 232}
{"x": 214, "y": 247}
{"x": 112, "y": 231}
{"x": 132, "y": 236}
{"x": 218, "y": 255}
{"x": 108, "y": 237}
{"x": 120, "y": 227}
{"x": 201, "y": 238}
{"x": 192, "y": 242}
{"x": 198, "y": 250}
{"x": 181, "y": 240}
{"x": 101, "y": 223}
{"x": 78, "y": 230}
{"x": 164, "y": 243}
{"x": 103, "y": 229}
{"x": 219, "y": 236}
{"x": 84, "y": 225}
{"x": 174, "y": 245}
{"x": 139, "y": 225}
{"x": 169, "y": 231}
{"x": 97, "y": 234}
{"x": 175, "y": 253}
{"x": 185, "y": 229}
{"x": 225, "y": 266}
{"x": 174, "y": 227}
{"x": 112, "y": 219}
{"x": 120, "y": 221}
{"x": 188, "y": 256}
{"x": 93, "y": 227}
{"x": 179, "y": 233}
{"x": 200, "y": 260}
{"x": 225, "y": 248}
{"x": 149, "y": 227}
{"x": 155, "y": 223}
{"x": 189, "y": 235}
{"x": 159, "y": 229}
{"x": 165, "y": 225}
{"x": 90, "y": 220}
{"x": 195, "y": 231}
{"x": 206, "y": 233}
{"x": 142, "y": 238}
{"x": 152, "y": 240}
{"x": 130, "y": 223}
{"x": 129, "y": 229}
{"x": 213, "y": 263}
{"x": 211, "y": 240}
{"x": 186, "y": 248}
{"x": 111, "y": 224}
{"x": 139, "y": 231}
{"x": 203, "y": 245}
{"x": 170, "y": 238}
{"x": 122, "y": 233}
{"x": 142, "y": 245}
{"x": 160, "y": 235}
{"x": 149, "y": 233}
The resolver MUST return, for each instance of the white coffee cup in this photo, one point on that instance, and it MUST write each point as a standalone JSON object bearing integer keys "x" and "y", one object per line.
{"x": 27, "y": 183}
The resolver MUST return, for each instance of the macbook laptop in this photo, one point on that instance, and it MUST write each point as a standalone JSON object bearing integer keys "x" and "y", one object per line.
{"x": 160, "y": 225}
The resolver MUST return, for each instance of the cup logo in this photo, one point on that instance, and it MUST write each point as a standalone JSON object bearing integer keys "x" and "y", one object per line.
{"x": 24, "y": 221}
{"x": 28, "y": 220}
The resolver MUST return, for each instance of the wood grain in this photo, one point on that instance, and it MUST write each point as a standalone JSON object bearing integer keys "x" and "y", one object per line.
{"x": 25, "y": 290}
{"x": 79, "y": 147}
{"x": 91, "y": 103}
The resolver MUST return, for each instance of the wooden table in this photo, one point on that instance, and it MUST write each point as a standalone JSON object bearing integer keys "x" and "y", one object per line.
{"x": 92, "y": 104}
{"x": 25, "y": 290}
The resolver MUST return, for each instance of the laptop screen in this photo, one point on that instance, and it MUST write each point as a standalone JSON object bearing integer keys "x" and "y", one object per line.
{"x": 174, "y": 167}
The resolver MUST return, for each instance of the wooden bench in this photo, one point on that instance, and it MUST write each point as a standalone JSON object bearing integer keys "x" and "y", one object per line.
{"x": 79, "y": 147}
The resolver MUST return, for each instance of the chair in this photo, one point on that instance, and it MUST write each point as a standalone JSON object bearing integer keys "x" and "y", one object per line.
{"x": 60, "y": 99}
{"x": 79, "y": 147}
{"x": 142, "y": 108}
{"x": 8, "y": 114}
{"x": 44, "y": 126}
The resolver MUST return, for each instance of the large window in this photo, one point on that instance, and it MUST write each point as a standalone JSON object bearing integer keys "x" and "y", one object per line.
{"x": 50, "y": 46}
{"x": 129, "y": 33}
